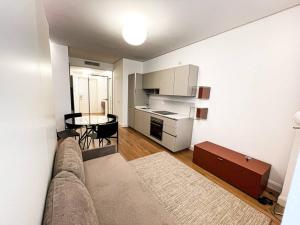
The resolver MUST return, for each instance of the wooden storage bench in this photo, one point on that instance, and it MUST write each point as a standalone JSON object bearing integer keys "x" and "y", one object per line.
{"x": 250, "y": 176}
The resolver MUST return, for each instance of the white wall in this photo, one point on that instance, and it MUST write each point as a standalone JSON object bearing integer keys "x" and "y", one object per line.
{"x": 282, "y": 198}
{"x": 118, "y": 90}
{"x": 27, "y": 134}
{"x": 254, "y": 73}
{"x": 61, "y": 83}
{"x": 291, "y": 212}
{"x": 122, "y": 69}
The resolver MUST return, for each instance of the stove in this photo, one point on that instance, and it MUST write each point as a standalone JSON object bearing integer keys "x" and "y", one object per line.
{"x": 165, "y": 112}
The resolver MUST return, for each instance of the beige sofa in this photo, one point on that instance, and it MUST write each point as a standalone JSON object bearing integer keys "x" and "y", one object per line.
{"x": 99, "y": 187}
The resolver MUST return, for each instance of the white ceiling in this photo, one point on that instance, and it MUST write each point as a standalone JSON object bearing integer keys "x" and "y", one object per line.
{"x": 92, "y": 28}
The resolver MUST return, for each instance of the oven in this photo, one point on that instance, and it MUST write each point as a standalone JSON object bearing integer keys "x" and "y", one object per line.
{"x": 156, "y": 128}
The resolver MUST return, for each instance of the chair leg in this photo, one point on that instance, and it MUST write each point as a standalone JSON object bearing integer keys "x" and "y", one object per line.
{"x": 101, "y": 140}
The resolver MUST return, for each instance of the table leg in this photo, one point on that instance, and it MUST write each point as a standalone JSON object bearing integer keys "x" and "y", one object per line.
{"x": 84, "y": 137}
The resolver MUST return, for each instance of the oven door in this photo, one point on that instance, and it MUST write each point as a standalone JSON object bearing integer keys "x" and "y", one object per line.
{"x": 156, "y": 128}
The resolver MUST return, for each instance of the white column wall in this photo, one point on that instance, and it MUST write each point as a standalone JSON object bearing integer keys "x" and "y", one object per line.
{"x": 61, "y": 83}
{"x": 27, "y": 134}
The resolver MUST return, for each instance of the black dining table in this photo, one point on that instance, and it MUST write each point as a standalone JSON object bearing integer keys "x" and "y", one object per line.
{"x": 88, "y": 121}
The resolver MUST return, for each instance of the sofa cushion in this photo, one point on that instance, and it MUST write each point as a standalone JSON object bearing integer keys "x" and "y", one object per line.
{"x": 68, "y": 159}
{"x": 69, "y": 202}
{"x": 118, "y": 195}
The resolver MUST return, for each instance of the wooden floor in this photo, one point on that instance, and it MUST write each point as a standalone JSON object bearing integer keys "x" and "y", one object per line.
{"x": 133, "y": 145}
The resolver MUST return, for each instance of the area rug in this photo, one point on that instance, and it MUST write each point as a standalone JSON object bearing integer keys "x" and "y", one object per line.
{"x": 190, "y": 197}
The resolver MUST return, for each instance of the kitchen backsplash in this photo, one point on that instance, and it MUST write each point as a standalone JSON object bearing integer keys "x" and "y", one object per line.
{"x": 181, "y": 105}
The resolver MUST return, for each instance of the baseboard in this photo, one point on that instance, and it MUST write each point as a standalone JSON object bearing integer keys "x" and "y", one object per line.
{"x": 274, "y": 186}
{"x": 191, "y": 147}
{"x": 124, "y": 125}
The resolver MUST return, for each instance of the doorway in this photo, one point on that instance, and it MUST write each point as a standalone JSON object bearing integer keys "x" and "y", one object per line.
{"x": 91, "y": 91}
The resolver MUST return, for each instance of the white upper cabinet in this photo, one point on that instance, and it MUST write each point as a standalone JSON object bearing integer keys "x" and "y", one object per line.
{"x": 185, "y": 80}
{"x": 166, "y": 81}
{"x": 151, "y": 80}
{"x": 178, "y": 81}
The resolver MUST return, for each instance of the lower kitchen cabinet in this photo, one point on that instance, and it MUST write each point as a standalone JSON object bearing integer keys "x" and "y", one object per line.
{"x": 131, "y": 117}
{"x": 176, "y": 134}
{"x": 168, "y": 141}
{"x": 142, "y": 122}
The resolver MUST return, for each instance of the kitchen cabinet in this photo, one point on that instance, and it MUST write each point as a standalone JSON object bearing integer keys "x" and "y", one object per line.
{"x": 151, "y": 80}
{"x": 136, "y": 96}
{"x": 131, "y": 112}
{"x": 166, "y": 81}
{"x": 176, "y": 134}
{"x": 142, "y": 122}
{"x": 185, "y": 80}
{"x": 177, "y": 81}
{"x": 168, "y": 141}
{"x": 170, "y": 126}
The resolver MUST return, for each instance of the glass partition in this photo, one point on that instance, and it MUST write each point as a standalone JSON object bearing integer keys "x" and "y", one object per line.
{"x": 91, "y": 91}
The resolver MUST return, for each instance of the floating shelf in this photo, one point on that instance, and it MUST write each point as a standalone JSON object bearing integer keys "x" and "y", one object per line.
{"x": 198, "y": 113}
{"x": 201, "y": 113}
{"x": 203, "y": 92}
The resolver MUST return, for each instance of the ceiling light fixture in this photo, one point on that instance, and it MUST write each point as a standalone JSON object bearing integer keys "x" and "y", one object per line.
{"x": 134, "y": 29}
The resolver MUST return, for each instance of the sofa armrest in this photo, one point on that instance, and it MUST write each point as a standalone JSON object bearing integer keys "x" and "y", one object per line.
{"x": 98, "y": 152}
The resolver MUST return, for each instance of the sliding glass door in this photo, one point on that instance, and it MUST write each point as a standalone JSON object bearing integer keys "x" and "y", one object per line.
{"x": 91, "y": 91}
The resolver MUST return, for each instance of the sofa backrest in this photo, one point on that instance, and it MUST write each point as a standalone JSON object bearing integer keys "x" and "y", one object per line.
{"x": 69, "y": 202}
{"x": 68, "y": 157}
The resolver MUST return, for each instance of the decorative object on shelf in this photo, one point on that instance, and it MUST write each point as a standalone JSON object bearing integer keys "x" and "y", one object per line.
{"x": 203, "y": 92}
{"x": 201, "y": 113}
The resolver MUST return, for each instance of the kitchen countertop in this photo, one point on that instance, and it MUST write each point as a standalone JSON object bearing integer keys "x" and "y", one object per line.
{"x": 174, "y": 117}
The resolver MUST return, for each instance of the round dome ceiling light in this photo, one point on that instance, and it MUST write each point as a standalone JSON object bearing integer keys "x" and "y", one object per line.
{"x": 134, "y": 30}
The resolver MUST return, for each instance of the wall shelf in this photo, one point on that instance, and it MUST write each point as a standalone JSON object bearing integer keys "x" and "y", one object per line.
{"x": 201, "y": 113}
{"x": 198, "y": 113}
{"x": 203, "y": 92}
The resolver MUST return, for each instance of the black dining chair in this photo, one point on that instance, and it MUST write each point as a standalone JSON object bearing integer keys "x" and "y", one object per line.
{"x": 70, "y": 129}
{"x": 105, "y": 131}
{"x": 71, "y": 116}
{"x": 113, "y": 118}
